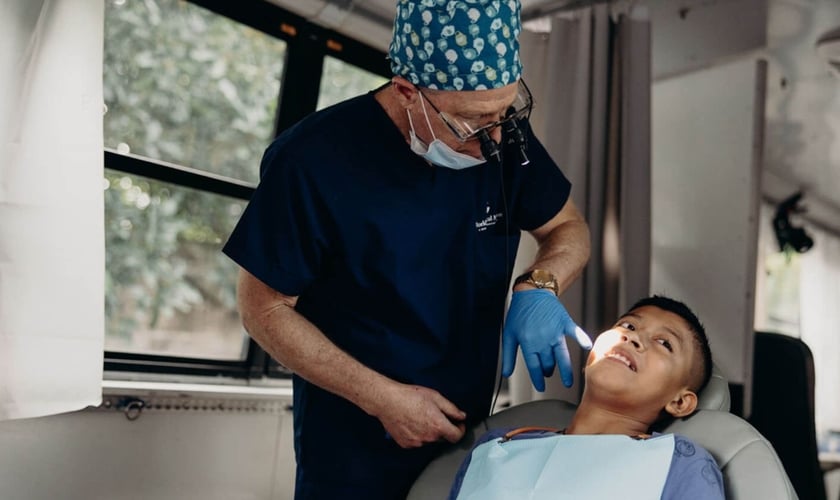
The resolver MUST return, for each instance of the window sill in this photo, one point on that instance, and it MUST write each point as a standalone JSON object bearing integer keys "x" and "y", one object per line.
{"x": 134, "y": 398}
{"x": 281, "y": 389}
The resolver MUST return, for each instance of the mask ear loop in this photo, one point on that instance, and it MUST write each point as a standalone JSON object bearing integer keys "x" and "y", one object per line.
{"x": 410, "y": 122}
{"x": 423, "y": 104}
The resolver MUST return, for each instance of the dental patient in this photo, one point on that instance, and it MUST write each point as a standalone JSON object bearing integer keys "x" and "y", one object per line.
{"x": 643, "y": 372}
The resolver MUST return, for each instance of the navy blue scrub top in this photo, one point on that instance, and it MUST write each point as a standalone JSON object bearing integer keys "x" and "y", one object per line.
{"x": 403, "y": 265}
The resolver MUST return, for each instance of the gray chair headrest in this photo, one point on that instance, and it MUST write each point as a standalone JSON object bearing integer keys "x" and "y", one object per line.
{"x": 715, "y": 396}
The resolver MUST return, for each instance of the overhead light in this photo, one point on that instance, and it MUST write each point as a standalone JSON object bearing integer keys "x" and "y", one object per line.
{"x": 828, "y": 48}
{"x": 791, "y": 237}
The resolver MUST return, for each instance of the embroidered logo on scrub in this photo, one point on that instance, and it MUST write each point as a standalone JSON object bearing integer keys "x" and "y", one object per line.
{"x": 490, "y": 220}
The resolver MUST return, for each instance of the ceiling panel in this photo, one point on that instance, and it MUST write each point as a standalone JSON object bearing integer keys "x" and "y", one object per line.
{"x": 370, "y": 20}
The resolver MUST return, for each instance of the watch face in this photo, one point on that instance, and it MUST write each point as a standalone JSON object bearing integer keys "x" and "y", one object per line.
{"x": 541, "y": 277}
{"x": 544, "y": 279}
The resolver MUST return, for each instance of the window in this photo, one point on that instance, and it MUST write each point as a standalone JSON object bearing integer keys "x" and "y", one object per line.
{"x": 777, "y": 282}
{"x": 187, "y": 86}
{"x": 169, "y": 289}
{"x": 342, "y": 80}
{"x": 193, "y": 95}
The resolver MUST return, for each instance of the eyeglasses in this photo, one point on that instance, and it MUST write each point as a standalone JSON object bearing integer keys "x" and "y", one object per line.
{"x": 464, "y": 130}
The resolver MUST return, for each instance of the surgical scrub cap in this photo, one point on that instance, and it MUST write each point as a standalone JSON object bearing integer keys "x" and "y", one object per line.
{"x": 457, "y": 44}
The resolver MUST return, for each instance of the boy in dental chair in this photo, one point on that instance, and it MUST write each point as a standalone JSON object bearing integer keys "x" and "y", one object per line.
{"x": 641, "y": 373}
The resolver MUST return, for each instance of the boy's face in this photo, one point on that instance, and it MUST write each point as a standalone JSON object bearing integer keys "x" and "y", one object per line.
{"x": 644, "y": 363}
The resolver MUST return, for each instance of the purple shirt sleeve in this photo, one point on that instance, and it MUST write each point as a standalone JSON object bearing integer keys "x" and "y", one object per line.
{"x": 694, "y": 473}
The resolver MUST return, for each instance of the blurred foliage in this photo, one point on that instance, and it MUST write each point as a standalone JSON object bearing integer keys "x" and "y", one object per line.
{"x": 190, "y": 87}
{"x": 163, "y": 260}
{"x": 341, "y": 80}
{"x": 187, "y": 86}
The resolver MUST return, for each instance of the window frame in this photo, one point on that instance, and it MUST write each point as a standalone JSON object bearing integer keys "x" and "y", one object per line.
{"x": 307, "y": 44}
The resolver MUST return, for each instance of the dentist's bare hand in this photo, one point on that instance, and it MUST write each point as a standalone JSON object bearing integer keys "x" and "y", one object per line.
{"x": 414, "y": 415}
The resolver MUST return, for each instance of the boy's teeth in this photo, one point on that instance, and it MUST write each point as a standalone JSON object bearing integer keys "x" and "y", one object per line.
{"x": 621, "y": 358}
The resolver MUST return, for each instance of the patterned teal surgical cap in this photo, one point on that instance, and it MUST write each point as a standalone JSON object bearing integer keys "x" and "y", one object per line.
{"x": 457, "y": 44}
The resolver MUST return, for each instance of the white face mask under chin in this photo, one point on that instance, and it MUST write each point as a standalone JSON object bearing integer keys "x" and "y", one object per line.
{"x": 438, "y": 152}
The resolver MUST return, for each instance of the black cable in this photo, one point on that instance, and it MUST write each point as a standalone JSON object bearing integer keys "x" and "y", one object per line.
{"x": 507, "y": 254}
{"x": 512, "y": 135}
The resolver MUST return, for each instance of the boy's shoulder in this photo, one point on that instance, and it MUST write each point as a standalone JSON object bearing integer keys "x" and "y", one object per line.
{"x": 694, "y": 472}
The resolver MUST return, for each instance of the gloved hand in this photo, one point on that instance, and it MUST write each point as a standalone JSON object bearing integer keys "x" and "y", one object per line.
{"x": 539, "y": 323}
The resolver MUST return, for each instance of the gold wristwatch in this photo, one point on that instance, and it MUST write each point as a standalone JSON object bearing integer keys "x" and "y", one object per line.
{"x": 540, "y": 279}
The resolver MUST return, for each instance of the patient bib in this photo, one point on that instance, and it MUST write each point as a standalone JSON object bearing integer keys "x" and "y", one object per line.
{"x": 575, "y": 467}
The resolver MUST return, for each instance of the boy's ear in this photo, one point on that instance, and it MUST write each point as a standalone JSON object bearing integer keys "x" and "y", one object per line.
{"x": 683, "y": 404}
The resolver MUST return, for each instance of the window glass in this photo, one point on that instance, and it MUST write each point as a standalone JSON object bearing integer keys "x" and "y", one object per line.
{"x": 168, "y": 288}
{"x": 782, "y": 293}
{"x": 188, "y": 86}
{"x": 341, "y": 80}
{"x": 778, "y": 282}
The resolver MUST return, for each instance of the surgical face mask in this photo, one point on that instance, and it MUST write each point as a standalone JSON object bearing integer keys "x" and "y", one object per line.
{"x": 438, "y": 152}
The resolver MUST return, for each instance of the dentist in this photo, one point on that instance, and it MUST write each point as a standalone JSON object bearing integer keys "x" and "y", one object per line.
{"x": 377, "y": 252}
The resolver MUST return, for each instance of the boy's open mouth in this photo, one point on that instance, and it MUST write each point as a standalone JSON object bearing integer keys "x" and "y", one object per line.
{"x": 618, "y": 356}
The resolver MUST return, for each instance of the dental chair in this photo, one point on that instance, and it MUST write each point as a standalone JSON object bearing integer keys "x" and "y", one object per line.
{"x": 751, "y": 469}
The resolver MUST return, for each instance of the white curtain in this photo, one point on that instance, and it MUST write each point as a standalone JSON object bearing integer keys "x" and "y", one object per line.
{"x": 591, "y": 79}
{"x": 819, "y": 298}
{"x": 51, "y": 206}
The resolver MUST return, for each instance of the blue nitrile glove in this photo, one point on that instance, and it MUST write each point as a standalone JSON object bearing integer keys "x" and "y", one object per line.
{"x": 539, "y": 323}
